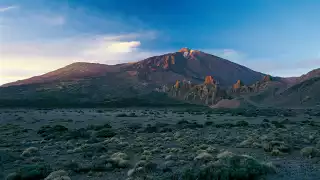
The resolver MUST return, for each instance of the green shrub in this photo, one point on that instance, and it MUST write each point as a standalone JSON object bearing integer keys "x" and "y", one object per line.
{"x": 78, "y": 134}
{"x": 225, "y": 125}
{"x": 126, "y": 115}
{"x": 107, "y": 132}
{"x": 278, "y": 124}
{"x": 242, "y": 123}
{"x": 208, "y": 123}
{"x": 99, "y": 127}
{"x": 52, "y": 132}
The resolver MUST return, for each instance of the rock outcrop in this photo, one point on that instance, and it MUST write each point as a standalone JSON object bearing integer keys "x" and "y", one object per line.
{"x": 239, "y": 87}
{"x": 267, "y": 78}
{"x": 209, "y": 80}
{"x": 207, "y": 93}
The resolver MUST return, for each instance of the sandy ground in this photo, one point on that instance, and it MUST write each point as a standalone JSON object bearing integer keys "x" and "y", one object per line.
{"x": 169, "y": 139}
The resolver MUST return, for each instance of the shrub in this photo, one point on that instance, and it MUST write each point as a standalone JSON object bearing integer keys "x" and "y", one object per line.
{"x": 183, "y": 122}
{"x": 99, "y": 111}
{"x": 78, "y": 134}
{"x": 34, "y": 172}
{"x": 281, "y": 146}
{"x": 60, "y": 174}
{"x": 208, "y": 123}
{"x": 150, "y": 129}
{"x": 225, "y": 125}
{"x": 135, "y": 126}
{"x": 106, "y": 132}
{"x": 277, "y": 124}
{"x": 310, "y": 152}
{"x": 286, "y": 121}
{"x": 31, "y": 151}
{"x": 204, "y": 157}
{"x": 126, "y": 115}
{"x": 122, "y": 115}
{"x": 119, "y": 160}
{"x": 242, "y": 123}
{"x": 52, "y": 132}
{"x": 186, "y": 124}
{"x": 98, "y": 127}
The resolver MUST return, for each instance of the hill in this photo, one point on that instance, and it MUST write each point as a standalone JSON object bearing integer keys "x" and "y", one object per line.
{"x": 303, "y": 94}
{"x": 74, "y": 71}
{"x": 309, "y": 75}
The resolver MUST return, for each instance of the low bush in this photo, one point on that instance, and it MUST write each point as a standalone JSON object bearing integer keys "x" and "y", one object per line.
{"x": 106, "y": 132}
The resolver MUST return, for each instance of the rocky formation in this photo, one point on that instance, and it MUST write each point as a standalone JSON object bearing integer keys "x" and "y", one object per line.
{"x": 207, "y": 93}
{"x": 209, "y": 80}
{"x": 239, "y": 86}
{"x": 267, "y": 78}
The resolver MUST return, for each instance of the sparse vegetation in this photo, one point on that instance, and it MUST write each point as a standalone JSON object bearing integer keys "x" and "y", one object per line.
{"x": 162, "y": 147}
{"x": 228, "y": 166}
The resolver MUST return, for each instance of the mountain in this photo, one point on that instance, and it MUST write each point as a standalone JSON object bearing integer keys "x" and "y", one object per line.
{"x": 186, "y": 64}
{"x": 204, "y": 78}
{"x": 192, "y": 65}
{"x": 312, "y": 74}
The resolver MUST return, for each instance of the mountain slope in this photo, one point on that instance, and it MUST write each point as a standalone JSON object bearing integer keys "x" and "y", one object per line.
{"x": 73, "y": 71}
{"x": 294, "y": 80}
{"x": 302, "y": 94}
{"x": 93, "y": 92}
{"x": 305, "y": 93}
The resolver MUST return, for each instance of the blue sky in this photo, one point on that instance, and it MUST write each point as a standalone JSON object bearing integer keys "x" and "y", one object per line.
{"x": 276, "y": 37}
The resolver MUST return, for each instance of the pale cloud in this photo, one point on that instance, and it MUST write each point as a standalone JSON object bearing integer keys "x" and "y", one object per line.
{"x": 8, "y": 8}
{"x": 123, "y": 47}
{"x": 24, "y": 60}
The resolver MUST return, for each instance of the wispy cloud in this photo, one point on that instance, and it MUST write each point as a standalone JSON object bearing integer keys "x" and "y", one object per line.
{"x": 7, "y": 8}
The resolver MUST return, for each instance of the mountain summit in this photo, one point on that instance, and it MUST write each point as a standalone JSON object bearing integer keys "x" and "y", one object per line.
{"x": 192, "y": 65}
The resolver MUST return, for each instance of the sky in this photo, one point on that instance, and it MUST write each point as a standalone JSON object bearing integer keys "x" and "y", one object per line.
{"x": 281, "y": 38}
